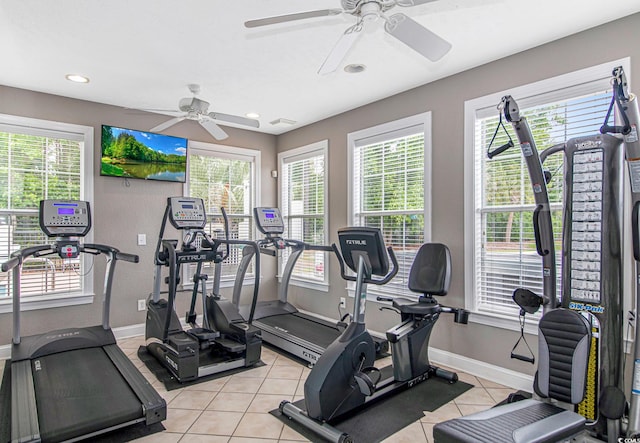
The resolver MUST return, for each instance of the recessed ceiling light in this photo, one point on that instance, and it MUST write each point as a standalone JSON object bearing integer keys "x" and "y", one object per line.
{"x": 354, "y": 68}
{"x": 77, "y": 78}
{"x": 252, "y": 115}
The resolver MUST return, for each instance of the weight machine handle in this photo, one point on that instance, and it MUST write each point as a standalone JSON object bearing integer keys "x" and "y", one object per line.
{"x": 500, "y": 149}
{"x": 524, "y": 358}
{"x": 536, "y": 232}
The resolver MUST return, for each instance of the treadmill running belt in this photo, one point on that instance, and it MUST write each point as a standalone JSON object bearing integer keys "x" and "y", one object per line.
{"x": 301, "y": 327}
{"x": 79, "y": 392}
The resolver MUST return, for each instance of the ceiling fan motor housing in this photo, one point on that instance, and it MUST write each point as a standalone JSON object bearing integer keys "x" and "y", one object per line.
{"x": 193, "y": 105}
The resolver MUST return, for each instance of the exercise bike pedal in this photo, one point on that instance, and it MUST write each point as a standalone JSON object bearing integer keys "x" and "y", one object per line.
{"x": 365, "y": 383}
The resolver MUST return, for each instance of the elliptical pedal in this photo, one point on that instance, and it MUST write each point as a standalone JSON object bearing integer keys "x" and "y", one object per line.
{"x": 230, "y": 345}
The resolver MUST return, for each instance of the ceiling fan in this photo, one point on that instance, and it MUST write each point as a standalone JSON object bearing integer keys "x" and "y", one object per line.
{"x": 408, "y": 31}
{"x": 196, "y": 109}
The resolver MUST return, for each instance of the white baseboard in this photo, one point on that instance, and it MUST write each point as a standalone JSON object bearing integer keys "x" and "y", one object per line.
{"x": 129, "y": 331}
{"x": 497, "y": 374}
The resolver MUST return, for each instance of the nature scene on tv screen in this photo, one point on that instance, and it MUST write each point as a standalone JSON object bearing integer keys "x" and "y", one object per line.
{"x": 138, "y": 154}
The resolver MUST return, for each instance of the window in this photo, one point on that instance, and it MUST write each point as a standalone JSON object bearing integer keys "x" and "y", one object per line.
{"x": 500, "y": 246}
{"x": 42, "y": 160}
{"x": 390, "y": 184}
{"x": 303, "y": 204}
{"x": 225, "y": 177}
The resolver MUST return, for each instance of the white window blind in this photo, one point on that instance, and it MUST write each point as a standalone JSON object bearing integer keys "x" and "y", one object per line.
{"x": 389, "y": 193}
{"x": 228, "y": 181}
{"x": 303, "y": 196}
{"x": 505, "y": 255}
{"x": 38, "y": 164}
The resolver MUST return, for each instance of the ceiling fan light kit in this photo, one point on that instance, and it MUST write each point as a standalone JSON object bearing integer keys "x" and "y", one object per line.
{"x": 197, "y": 110}
{"x": 408, "y": 31}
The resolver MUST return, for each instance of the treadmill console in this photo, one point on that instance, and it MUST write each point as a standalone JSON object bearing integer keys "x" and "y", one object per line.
{"x": 269, "y": 220}
{"x": 65, "y": 218}
{"x": 187, "y": 212}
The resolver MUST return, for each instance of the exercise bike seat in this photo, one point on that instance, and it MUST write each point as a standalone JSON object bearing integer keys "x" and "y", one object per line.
{"x": 406, "y": 306}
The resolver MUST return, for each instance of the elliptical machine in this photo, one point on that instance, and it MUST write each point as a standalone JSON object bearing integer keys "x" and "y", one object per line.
{"x": 344, "y": 378}
{"x": 225, "y": 340}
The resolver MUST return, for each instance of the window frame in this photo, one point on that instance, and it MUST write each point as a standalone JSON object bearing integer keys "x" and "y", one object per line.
{"x": 231, "y": 153}
{"x": 561, "y": 87}
{"x": 377, "y": 134}
{"x": 320, "y": 148}
{"x": 84, "y": 134}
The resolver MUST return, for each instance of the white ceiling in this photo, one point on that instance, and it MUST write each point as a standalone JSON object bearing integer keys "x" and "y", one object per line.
{"x": 143, "y": 53}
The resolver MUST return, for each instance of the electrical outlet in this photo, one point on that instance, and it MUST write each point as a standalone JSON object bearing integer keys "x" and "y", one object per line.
{"x": 142, "y": 305}
{"x": 343, "y": 302}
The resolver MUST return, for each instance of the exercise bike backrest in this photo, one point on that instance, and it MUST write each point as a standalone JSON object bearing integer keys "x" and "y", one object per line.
{"x": 368, "y": 243}
{"x": 431, "y": 270}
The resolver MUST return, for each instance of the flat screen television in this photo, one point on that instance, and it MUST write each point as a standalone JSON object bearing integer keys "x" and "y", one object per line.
{"x": 137, "y": 154}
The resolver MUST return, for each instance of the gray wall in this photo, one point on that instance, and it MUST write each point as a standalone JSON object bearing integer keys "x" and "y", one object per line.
{"x": 445, "y": 99}
{"x": 120, "y": 212}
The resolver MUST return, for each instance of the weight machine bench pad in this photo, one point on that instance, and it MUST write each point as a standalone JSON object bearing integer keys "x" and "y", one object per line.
{"x": 526, "y": 421}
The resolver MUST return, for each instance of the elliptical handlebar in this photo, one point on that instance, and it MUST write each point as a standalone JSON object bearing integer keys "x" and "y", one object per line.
{"x": 386, "y": 279}
{"x": 226, "y": 230}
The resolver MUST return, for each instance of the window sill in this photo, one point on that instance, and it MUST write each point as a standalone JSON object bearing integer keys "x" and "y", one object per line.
{"x": 46, "y": 302}
{"x": 504, "y": 321}
{"x": 308, "y": 284}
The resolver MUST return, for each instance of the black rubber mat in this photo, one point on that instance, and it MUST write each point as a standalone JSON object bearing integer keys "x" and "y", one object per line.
{"x": 170, "y": 382}
{"x": 117, "y": 436}
{"x": 388, "y": 416}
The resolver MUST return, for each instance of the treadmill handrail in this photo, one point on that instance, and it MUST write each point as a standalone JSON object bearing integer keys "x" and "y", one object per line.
{"x": 18, "y": 257}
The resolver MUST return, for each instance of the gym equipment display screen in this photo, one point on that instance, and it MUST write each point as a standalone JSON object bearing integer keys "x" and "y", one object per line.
{"x": 146, "y": 155}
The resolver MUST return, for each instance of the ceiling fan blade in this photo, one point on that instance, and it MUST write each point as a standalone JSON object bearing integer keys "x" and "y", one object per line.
{"x": 162, "y": 126}
{"x": 406, "y": 3}
{"x": 291, "y": 17}
{"x": 235, "y": 119}
{"x": 213, "y": 129}
{"x": 417, "y": 37}
{"x": 340, "y": 50}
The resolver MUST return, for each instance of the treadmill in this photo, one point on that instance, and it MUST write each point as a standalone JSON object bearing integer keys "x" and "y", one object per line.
{"x": 74, "y": 383}
{"x": 282, "y": 325}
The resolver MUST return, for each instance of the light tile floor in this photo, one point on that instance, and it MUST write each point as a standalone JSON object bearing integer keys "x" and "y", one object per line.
{"x": 235, "y": 409}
